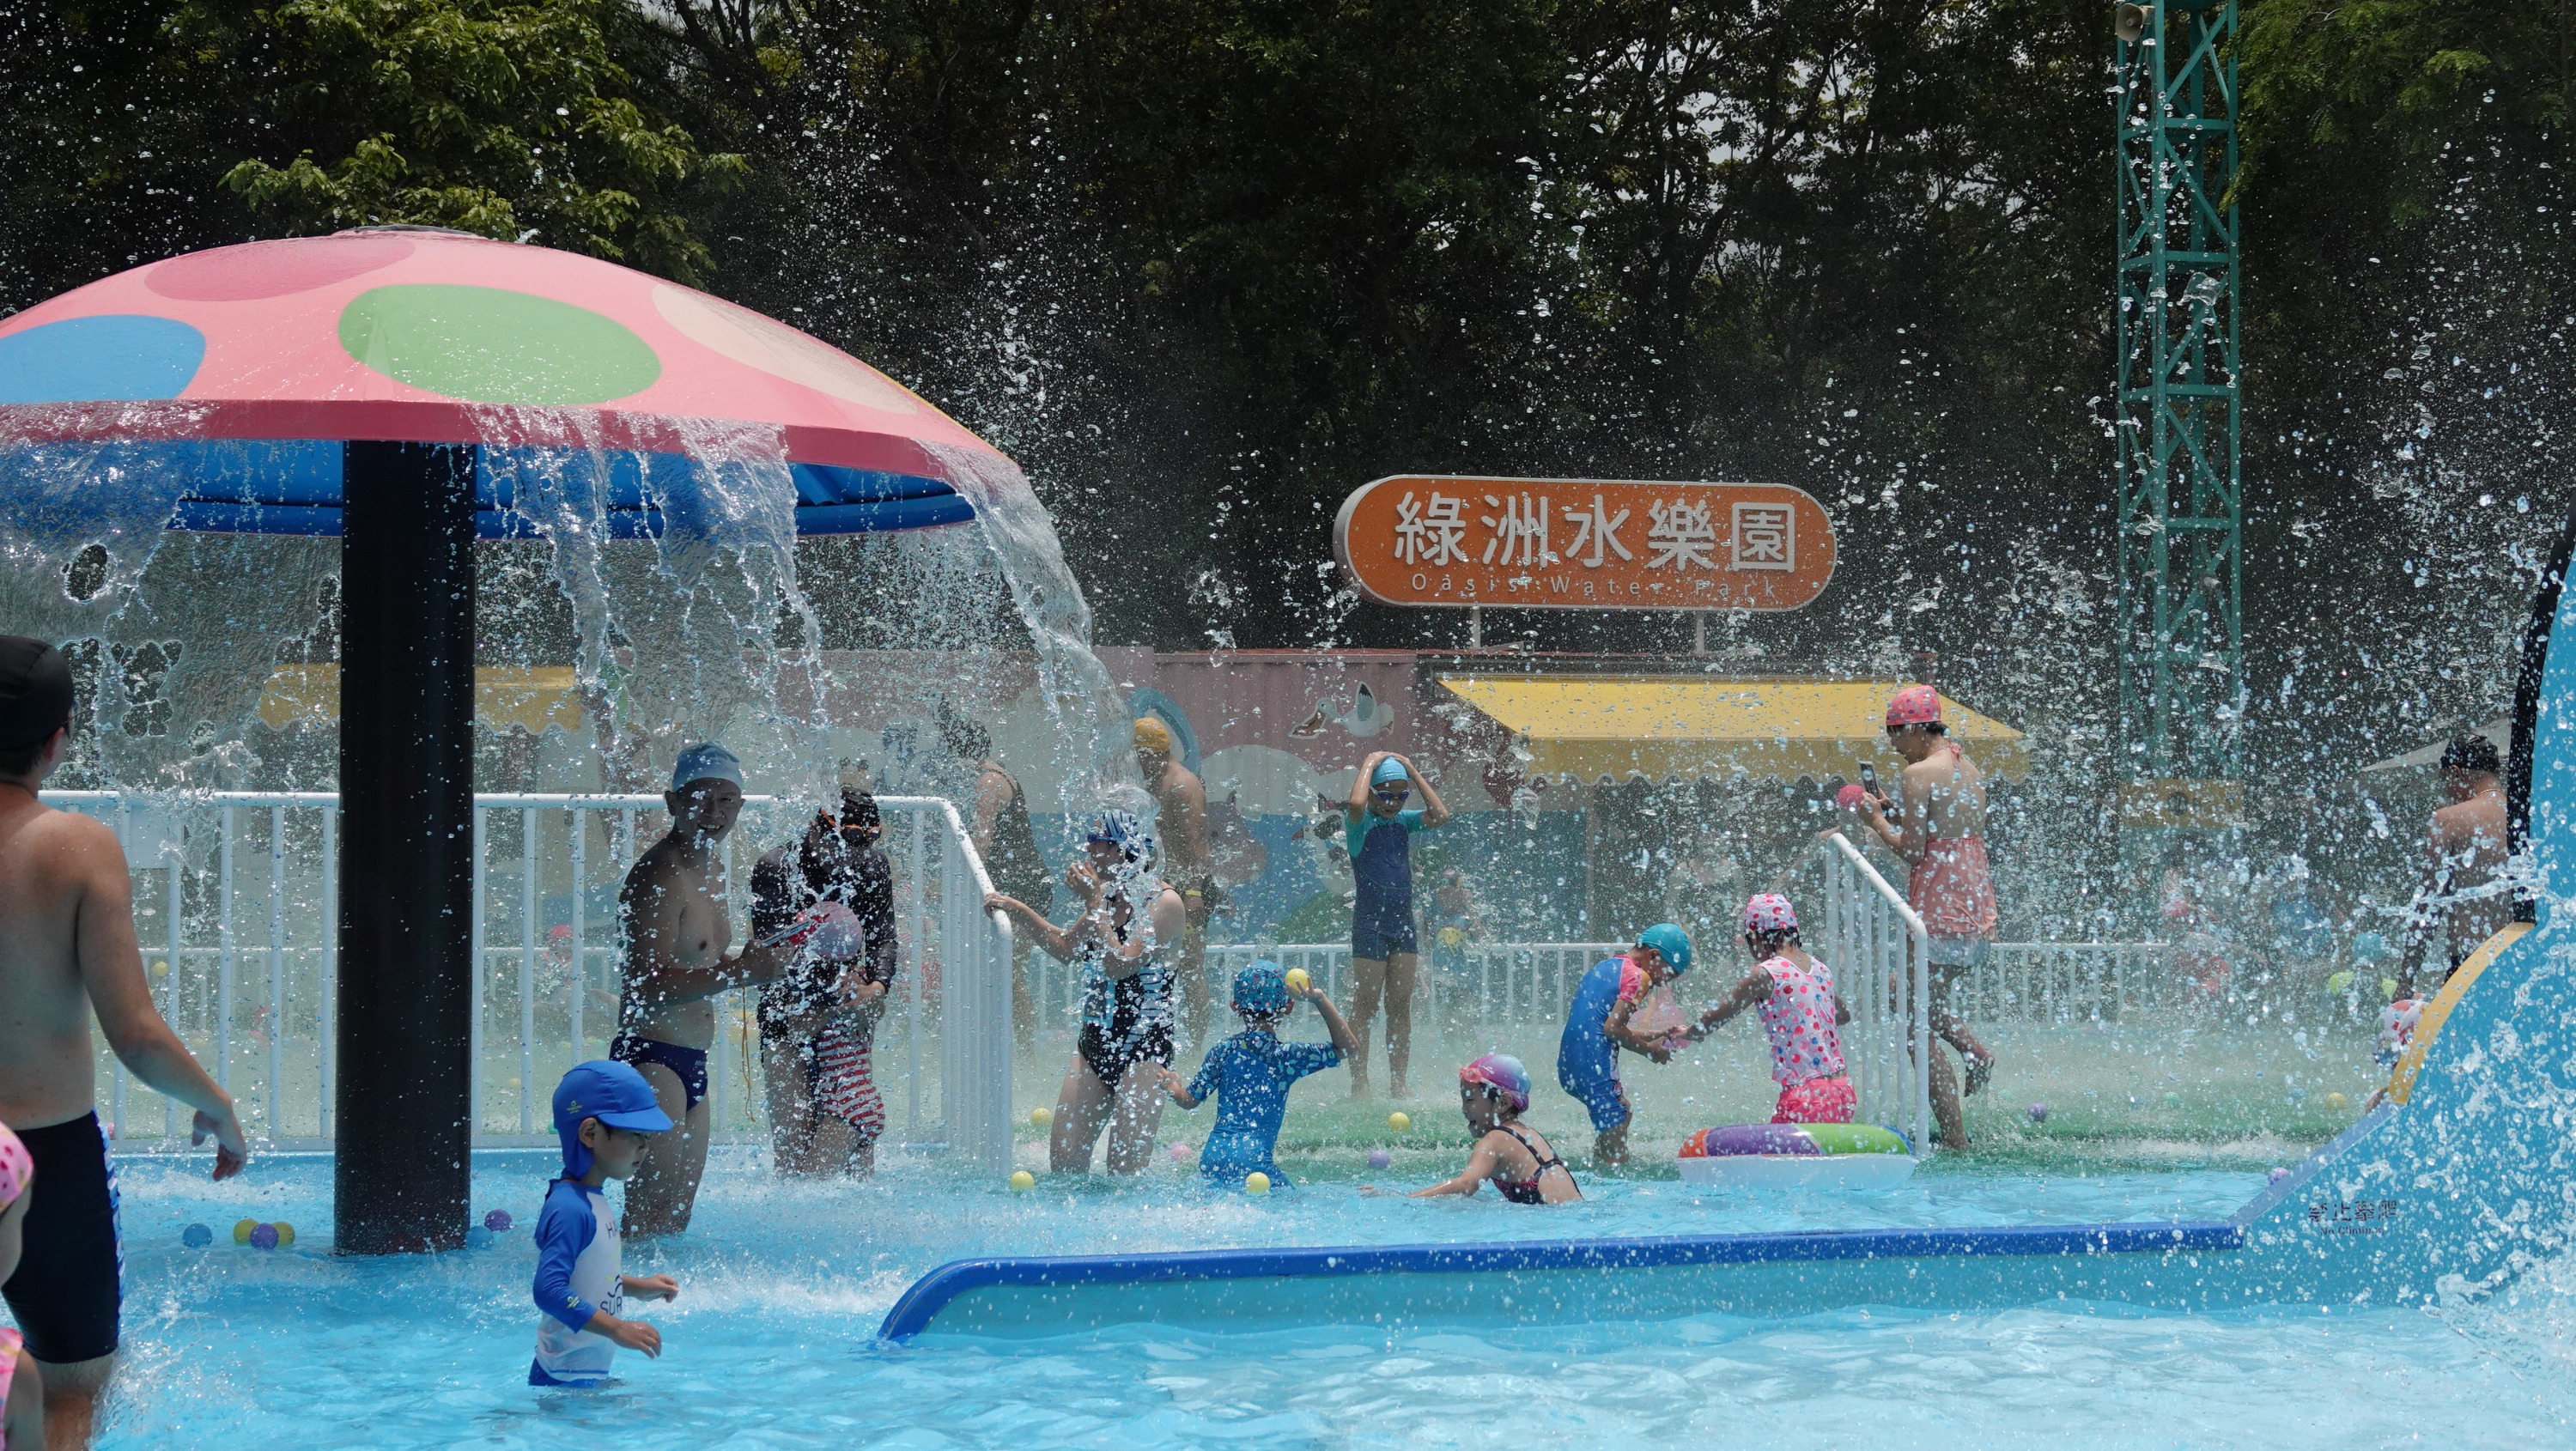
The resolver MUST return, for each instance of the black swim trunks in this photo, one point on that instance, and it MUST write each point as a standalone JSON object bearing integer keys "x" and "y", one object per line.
{"x": 1110, "y": 1058}
{"x": 688, "y": 1064}
{"x": 70, "y": 1282}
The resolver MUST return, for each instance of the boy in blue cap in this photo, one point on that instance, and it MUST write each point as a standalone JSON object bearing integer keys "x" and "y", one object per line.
{"x": 1378, "y": 830}
{"x": 1596, "y": 1028}
{"x": 605, "y": 1111}
{"x": 1250, "y": 1074}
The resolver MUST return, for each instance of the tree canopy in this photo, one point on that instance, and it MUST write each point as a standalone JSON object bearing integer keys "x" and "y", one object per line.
{"x": 1205, "y": 265}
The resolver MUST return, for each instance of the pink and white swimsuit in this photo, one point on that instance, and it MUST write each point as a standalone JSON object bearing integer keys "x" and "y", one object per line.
{"x": 1798, "y": 1016}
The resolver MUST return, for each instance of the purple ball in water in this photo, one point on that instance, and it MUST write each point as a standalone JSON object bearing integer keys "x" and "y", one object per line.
{"x": 497, "y": 1221}
{"x": 1380, "y": 1158}
{"x": 2276, "y": 1176}
{"x": 263, "y": 1236}
{"x": 2039, "y": 1113}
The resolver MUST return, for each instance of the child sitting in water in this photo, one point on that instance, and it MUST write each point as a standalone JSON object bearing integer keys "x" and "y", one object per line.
{"x": 1794, "y": 993}
{"x": 22, "y": 1390}
{"x": 1250, "y": 1074}
{"x": 604, "y": 1111}
{"x": 1493, "y": 1092}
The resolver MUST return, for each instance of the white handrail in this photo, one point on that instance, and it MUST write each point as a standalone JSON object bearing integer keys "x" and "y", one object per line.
{"x": 1891, "y": 996}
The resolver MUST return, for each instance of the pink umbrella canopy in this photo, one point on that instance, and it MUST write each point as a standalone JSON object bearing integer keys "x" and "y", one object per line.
{"x": 415, "y": 335}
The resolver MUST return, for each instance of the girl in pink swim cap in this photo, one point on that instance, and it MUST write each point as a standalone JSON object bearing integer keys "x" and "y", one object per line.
{"x": 1493, "y": 1092}
{"x": 1800, "y": 1011}
{"x": 22, "y": 1389}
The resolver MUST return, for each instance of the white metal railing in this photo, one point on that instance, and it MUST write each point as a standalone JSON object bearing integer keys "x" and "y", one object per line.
{"x": 236, "y": 883}
{"x": 1530, "y": 983}
{"x": 2061, "y": 982}
{"x": 1880, "y": 955}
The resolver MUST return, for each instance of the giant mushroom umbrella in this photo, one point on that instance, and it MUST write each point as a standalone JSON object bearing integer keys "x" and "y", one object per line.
{"x": 365, "y": 385}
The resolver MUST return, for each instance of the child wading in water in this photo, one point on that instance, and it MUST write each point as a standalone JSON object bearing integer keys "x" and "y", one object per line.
{"x": 1378, "y": 831}
{"x": 1794, "y": 993}
{"x": 1250, "y": 1074}
{"x": 604, "y": 1111}
{"x": 1597, "y": 1026}
{"x": 1493, "y": 1092}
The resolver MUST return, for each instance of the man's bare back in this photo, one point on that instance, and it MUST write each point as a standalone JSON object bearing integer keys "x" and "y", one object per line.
{"x": 2467, "y": 849}
{"x": 68, "y": 955}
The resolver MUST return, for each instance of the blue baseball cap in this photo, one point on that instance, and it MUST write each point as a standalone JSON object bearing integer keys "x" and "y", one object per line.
{"x": 706, "y": 761}
{"x": 611, "y": 1092}
{"x": 1387, "y": 770}
{"x": 1670, "y": 941}
{"x": 1261, "y": 988}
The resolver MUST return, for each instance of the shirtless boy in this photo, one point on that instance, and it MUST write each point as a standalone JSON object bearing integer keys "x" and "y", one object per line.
{"x": 1938, "y": 826}
{"x": 2466, "y": 846}
{"x": 68, "y": 951}
{"x": 672, "y": 912}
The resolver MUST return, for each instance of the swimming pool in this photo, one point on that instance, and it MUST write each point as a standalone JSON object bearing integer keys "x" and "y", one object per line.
{"x": 772, "y": 1342}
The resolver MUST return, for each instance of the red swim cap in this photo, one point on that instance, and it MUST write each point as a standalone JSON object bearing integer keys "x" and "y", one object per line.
{"x": 1914, "y": 705}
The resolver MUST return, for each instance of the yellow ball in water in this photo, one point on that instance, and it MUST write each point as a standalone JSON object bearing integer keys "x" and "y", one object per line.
{"x": 2335, "y": 1100}
{"x": 1023, "y": 1179}
{"x": 1298, "y": 981}
{"x": 1399, "y": 1121}
{"x": 242, "y": 1229}
{"x": 1041, "y": 1116}
{"x": 1256, "y": 1182}
{"x": 285, "y": 1233}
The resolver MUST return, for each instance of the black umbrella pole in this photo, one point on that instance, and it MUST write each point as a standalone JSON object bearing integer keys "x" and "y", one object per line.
{"x": 403, "y": 1101}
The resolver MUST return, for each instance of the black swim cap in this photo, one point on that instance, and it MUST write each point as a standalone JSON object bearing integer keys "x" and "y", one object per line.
{"x": 35, "y": 691}
{"x": 2471, "y": 753}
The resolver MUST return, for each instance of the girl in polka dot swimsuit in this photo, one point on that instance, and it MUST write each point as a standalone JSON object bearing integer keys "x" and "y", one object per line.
{"x": 1794, "y": 995}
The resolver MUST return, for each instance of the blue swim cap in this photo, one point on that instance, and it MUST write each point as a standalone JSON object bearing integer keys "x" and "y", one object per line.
{"x": 611, "y": 1092}
{"x": 1671, "y": 941}
{"x": 1261, "y": 989}
{"x": 1122, "y": 829}
{"x": 1387, "y": 770}
{"x": 706, "y": 761}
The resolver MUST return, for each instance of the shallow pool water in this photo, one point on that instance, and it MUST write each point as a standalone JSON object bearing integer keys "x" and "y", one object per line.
{"x": 772, "y": 1342}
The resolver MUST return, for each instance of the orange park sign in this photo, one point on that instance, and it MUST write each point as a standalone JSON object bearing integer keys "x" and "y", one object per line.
{"x": 1584, "y": 544}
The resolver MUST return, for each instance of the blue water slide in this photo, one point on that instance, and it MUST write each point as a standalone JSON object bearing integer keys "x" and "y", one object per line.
{"x": 2445, "y": 1192}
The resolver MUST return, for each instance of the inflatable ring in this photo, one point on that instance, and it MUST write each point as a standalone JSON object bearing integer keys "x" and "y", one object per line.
{"x": 1797, "y": 1156}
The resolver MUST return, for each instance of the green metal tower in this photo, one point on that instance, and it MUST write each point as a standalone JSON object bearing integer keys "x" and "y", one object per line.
{"x": 2182, "y": 510}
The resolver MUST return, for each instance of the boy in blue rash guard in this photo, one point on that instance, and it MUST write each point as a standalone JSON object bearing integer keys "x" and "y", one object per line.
{"x": 1596, "y": 1028}
{"x": 604, "y": 1110}
{"x": 1378, "y": 831}
{"x": 1250, "y": 1074}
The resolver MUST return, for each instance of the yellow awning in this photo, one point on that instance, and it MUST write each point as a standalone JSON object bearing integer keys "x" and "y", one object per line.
{"x": 1595, "y": 726}
{"x": 534, "y": 698}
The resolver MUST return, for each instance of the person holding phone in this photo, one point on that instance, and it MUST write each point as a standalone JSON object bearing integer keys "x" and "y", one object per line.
{"x": 1937, "y": 825}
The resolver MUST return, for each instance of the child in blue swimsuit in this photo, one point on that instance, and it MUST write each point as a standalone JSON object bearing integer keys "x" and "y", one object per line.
{"x": 1596, "y": 1028}
{"x": 1250, "y": 1074}
{"x": 604, "y": 1111}
{"x": 1378, "y": 830}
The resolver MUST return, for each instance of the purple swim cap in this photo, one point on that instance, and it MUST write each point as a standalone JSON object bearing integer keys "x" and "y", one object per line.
{"x": 1502, "y": 1073}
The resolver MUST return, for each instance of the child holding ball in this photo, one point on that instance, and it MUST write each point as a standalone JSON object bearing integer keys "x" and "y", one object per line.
{"x": 604, "y": 1110}
{"x": 1250, "y": 1074}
